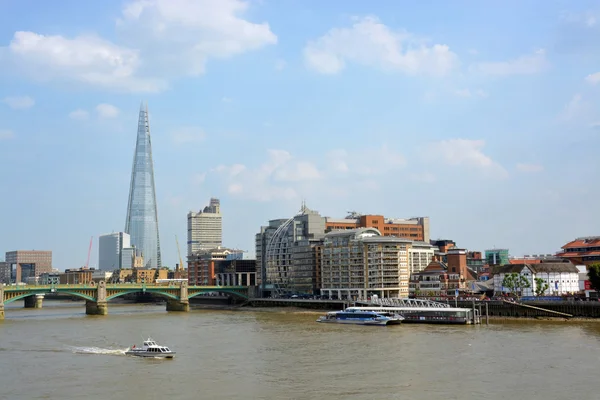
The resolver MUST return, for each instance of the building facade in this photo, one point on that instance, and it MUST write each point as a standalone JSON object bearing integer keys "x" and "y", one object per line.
{"x": 110, "y": 251}
{"x": 29, "y": 263}
{"x": 80, "y": 276}
{"x": 413, "y": 228}
{"x": 442, "y": 279}
{"x": 562, "y": 278}
{"x": 205, "y": 228}
{"x": 5, "y": 272}
{"x": 497, "y": 257}
{"x": 142, "y": 215}
{"x": 420, "y": 254}
{"x": 359, "y": 263}
{"x": 583, "y": 250}
{"x": 286, "y": 253}
{"x": 202, "y": 265}
{"x": 235, "y": 272}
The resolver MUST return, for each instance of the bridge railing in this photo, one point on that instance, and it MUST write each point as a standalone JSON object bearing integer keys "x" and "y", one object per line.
{"x": 398, "y": 302}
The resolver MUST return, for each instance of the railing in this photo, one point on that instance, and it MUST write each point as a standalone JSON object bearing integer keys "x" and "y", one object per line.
{"x": 395, "y": 302}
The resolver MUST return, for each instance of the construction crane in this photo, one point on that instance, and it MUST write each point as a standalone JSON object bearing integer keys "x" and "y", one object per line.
{"x": 87, "y": 263}
{"x": 179, "y": 252}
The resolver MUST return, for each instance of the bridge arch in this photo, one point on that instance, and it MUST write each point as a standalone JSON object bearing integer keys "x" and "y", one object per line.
{"x": 218, "y": 290}
{"x": 141, "y": 290}
{"x": 45, "y": 291}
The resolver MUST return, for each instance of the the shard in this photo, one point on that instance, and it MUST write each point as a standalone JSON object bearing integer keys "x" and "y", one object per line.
{"x": 142, "y": 216}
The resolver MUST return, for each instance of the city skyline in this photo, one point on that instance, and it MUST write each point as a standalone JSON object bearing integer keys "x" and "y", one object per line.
{"x": 483, "y": 117}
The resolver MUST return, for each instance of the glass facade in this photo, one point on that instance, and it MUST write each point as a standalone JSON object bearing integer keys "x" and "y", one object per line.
{"x": 142, "y": 216}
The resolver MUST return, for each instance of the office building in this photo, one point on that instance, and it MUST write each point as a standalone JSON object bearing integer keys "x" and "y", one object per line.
{"x": 205, "y": 228}
{"x": 497, "y": 257}
{"x": 110, "y": 251}
{"x": 360, "y": 263}
{"x": 202, "y": 265}
{"x": 29, "y": 263}
{"x": 413, "y": 228}
{"x": 142, "y": 216}
{"x": 420, "y": 254}
{"x": 5, "y": 272}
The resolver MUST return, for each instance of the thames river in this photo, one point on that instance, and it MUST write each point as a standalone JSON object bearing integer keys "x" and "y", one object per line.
{"x": 60, "y": 353}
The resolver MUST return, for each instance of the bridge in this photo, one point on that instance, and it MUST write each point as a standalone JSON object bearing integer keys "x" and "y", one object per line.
{"x": 96, "y": 296}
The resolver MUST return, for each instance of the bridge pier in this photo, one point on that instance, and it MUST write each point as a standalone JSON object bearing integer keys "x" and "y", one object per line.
{"x": 178, "y": 305}
{"x": 96, "y": 307}
{"x": 34, "y": 301}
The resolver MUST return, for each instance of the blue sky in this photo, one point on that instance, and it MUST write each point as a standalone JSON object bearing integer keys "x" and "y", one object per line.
{"x": 484, "y": 116}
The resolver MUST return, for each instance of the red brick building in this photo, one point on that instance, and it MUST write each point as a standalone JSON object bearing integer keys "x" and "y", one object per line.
{"x": 582, "y": 251}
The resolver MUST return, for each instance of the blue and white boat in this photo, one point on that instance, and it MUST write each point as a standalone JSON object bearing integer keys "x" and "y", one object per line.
{"x": 358, "y": 317}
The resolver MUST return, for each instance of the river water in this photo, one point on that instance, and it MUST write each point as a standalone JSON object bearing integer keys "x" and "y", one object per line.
{"x": 60, "y": 353}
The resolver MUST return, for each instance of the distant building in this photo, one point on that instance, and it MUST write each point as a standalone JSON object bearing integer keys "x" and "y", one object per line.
{"x": 359, "y": 263}
{"x": 444, "y": 279}
{"x": 128, "y": 258}
{"x": 49, "y": 278}
{"x": 420, "y": 254}
{"x": 562, "y": 277}
{"x": 5, "y": 272}
{"x": 29, "y": 263}
{"x": 496, "y": 257}
{"x": 80, "y": 276}
{"x": 205, "y": 228}
{"x": 413, "y": 228}
{"x": 441, "y": 249}
{"x": 110, "y": 250}
{"x": 286, "y": 254}
{"x": 235, "y": 272}
{"x": 202, "y": 265}
{"x": 583, "y": 250}
{"x": 100, "y": 275}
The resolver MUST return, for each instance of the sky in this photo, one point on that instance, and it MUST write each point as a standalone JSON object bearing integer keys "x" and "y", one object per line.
{"x": 484, "y": 116}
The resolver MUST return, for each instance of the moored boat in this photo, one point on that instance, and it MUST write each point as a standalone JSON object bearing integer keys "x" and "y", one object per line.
{"x": 150, "y": 349}
{"x": 358, "y": 317}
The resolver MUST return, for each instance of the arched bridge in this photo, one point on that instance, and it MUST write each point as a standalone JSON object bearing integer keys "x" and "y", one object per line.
{"x": 97, "y": 295}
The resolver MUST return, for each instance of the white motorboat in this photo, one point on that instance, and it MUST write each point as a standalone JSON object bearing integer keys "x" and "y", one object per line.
{"x": 358, "y": 317}
{"x": 150, "y": 349}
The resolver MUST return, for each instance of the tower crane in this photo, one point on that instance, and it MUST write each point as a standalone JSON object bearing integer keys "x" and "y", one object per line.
{"x": 87, "y": 263}
{"x": 179, "y": 253}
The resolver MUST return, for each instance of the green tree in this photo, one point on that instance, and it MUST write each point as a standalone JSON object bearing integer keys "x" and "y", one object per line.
{"x": 594, "y": 276}
{"x": 540, "y": 287}
{"x": 515, "y": 283}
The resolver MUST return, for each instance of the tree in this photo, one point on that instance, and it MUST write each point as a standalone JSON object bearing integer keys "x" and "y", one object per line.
{"x": 515, "y": 283}
{"x": 594, "y": 276}
{"x": 540, "y": 287}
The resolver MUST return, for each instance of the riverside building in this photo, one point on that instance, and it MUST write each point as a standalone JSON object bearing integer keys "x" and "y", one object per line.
{"x": 205, "y": 228}
{"x": 361, "y": 262}
{"x": 29, "y": 263}
{"x": 413, "y": 228}
{"x": 110, "y": 251}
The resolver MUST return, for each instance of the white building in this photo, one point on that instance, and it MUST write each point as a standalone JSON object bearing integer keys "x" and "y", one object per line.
{"x": 562, "y": 277}
{"x": 205, "y": 228}
{"x": 420, "y": 254}
{"x": 359, "y": 263}
{"x": 110, "y": 247}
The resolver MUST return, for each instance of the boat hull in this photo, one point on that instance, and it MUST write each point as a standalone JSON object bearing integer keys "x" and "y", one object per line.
{"x": 148, "y": 354}
{"x": 358, "y": 322}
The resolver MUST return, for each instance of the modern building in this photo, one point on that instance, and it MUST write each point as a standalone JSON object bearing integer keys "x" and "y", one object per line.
{"x": 80, "y": 276}
{"x": 235, "y": 272}
{"x": 359, "y": 263}
{"x": 413, "y": 228}
{"x": 497, "y": 257}
{"x": 49, "y": 278}
{"x": 583, "y": 250}
{"x": 286, "y": 254}
{"x": 127, "y": 259}
{"x": 205, "y": 228}
{"x": 5, "y": 272}
{"x": 110, "y": 250}
{"x": 142, "y": 216}
{"x": 420, "y": 254}
{"x": 202, "y": 265}
{"x": 561, "y": 277}
{"x": 29, "y": 263}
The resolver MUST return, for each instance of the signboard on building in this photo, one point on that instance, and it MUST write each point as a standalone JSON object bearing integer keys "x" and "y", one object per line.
{"x": 587, "y": 285}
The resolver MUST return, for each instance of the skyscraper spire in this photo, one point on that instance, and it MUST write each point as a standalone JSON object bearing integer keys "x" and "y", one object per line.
{"x": 142, "y": 215}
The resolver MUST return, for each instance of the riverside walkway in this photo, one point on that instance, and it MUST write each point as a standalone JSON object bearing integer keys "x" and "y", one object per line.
{"x": 96, "y": 296}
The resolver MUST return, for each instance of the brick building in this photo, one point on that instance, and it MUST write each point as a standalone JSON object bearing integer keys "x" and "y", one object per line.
{"x": 29, "y": 263}
{"x": 413, "y": 228}
{"x": 582, "y": 251}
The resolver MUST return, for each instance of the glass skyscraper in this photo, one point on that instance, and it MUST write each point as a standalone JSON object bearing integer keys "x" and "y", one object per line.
{"x": 142, "y": 216}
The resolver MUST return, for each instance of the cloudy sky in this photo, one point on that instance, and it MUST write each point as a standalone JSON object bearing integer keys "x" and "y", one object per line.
{"x": 484, "y": 116}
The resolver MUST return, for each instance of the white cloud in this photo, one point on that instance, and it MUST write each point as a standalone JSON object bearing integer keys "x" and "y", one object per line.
{"x": 366, "y": 161}
{"x": 19, "y": 102}
{"x": 530, "y": 167}
{"x": 524, "y": 65}
{"x": 6, "y": 134}
{"x": 576, "y": 110}
{"x": 589, "y": 19}
{"x": 79, "y": 115}
{"x": 181, "y": 35}
{"x": 86, "y": 59}
{"x": 468, "y": 93}
{"x": 370, "y": 42}
{"x": 188, "y": 134}
{"x": 107, "y": 110}
{"x": 280, "y": 65}
{"x": 465, "y": 152}
{"x": 593, "y": 78}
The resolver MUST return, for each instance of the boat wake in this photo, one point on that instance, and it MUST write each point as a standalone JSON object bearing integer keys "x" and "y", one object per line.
{"x": 98, "y": 350}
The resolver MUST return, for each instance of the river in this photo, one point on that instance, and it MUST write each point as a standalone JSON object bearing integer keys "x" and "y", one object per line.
{"x": 60, "y": 353}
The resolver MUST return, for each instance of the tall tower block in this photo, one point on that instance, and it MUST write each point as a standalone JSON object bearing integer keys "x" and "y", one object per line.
{"x": 142, "y": 215}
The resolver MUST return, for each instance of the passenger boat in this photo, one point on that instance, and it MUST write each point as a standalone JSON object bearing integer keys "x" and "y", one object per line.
{"x": 358, "y": 317}
{"x": 150, "y": 349}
